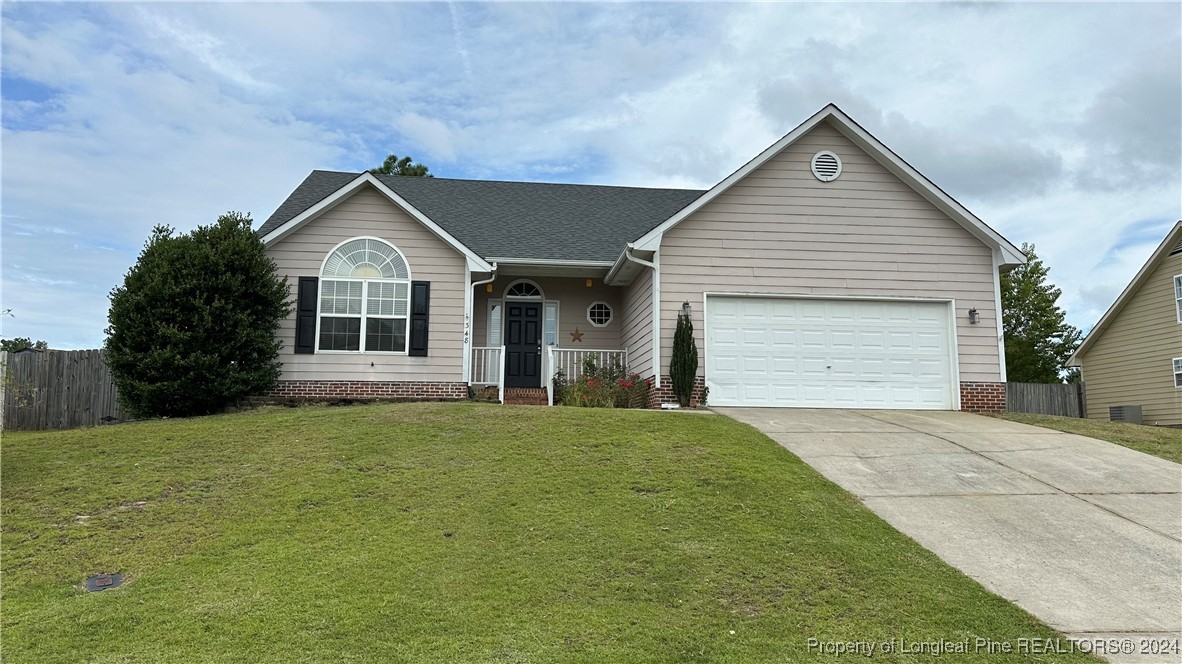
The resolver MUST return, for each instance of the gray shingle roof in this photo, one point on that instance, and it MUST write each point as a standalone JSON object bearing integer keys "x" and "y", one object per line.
{"x": 516, "y": 219}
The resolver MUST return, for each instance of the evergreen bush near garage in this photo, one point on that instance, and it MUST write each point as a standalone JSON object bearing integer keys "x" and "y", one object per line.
{"x": 683, "y": 366}
{"x": 192, "y": 328}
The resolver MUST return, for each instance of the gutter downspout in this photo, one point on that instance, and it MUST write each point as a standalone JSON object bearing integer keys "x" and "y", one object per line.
{"x": 656, "y": 317}
{"x": 471, "y": 297}
{"x": 489, "y": 280}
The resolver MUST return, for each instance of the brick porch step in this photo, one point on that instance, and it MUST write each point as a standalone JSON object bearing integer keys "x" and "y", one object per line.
{"x": 525, "y": 396}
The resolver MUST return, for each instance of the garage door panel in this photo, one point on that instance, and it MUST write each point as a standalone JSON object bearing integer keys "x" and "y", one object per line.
{"x": 873, "y": 368}
{"x": 812, "y": 338}
{"x": 843, "y": 367}
{"x": 931, "y": 341}
{"x": 872, "y": 340}
{"x": 932, "y": 370}
{"x": 842, "y": 312}
{"x": 828, "y": 353}
{"x": 899, "y": 341}
{"x": 843, "y": 339}
{"x": 783, "y": 366}
{"x": 726, "y": 364}
{"x": 872, "y": 312}
{"x": 810, "y": 310}
{"x": 783, "y": 310}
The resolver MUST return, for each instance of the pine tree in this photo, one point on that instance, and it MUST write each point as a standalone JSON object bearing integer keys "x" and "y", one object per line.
{"x": 404, "y": 166}
{"x": 1038, "y": 340}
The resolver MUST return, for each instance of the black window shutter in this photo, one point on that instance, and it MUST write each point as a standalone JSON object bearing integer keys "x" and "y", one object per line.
{"x": 420, "y": 309}
{"x": 305, "y": 332}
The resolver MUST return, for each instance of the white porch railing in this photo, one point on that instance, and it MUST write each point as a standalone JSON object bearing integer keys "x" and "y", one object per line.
{"x": 570, "y": 362}
{"x": 488, "y": 367}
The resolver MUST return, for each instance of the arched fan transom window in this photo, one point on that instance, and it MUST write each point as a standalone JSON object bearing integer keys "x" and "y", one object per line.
{"x": 524, "y": 289}
{"x": 364, "y": 298}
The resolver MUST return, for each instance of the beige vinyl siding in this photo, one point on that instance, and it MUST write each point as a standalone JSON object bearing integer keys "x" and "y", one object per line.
{"x": 780, "y": 230}
{"x": 1131, "y": 362}
{"x": 573, "y": 298}
{"x": 637, "y": 323}
{"x": 367, "y": 212}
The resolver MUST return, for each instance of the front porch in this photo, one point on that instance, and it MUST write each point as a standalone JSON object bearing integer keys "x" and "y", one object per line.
{"x": 488, "y": 370}
{"x": 527, "y": 329}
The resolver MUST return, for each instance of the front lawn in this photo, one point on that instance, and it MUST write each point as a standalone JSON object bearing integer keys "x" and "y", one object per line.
{"x": 463, "y": 532}
{"x": 1162, "y": 442}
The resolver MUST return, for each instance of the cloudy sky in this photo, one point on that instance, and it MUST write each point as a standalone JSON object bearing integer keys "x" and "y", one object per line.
{"x": 1058, "y": 124}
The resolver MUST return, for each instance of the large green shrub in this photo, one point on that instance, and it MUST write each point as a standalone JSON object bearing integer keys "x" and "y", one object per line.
{"x": 683, "y": 366}
{"x": 192, "y": 328}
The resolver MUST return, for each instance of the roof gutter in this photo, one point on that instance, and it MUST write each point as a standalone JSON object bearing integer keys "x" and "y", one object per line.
{"x": 550, "y": 262}
{"x": 624, "y": 258}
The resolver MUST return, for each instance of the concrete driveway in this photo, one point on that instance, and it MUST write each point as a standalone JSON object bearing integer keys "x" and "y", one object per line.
{"x": 1084, "y": 534}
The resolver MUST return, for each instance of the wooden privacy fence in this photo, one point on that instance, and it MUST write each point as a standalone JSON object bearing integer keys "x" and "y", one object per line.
{"x": 57, "y": 389}
{"x": 1046, "y": 398}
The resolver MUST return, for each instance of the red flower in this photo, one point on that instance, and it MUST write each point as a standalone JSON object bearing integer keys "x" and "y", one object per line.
{"x": 627, "y": 384}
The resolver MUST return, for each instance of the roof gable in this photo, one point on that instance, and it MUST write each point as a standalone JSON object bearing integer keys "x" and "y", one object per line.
{"x": 279, "y": 230}
{"x": 831, "y": 114}
{"x": 1169, "y": 246}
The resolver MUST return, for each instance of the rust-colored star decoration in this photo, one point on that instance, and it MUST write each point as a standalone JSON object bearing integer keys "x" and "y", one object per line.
{"x": 576, "y": 336}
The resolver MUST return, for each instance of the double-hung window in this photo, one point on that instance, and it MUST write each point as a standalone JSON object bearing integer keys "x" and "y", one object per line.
{"x": 1178, "y": 372}
{"x": 364, "y": 298}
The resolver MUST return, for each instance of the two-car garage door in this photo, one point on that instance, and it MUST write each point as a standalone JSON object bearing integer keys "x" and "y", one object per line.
{"x": 822, "y": 353}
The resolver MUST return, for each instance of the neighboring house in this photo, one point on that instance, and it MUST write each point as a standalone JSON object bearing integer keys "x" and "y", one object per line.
{"x": 1133, "y": 356}
{"x": 826, "y": 272}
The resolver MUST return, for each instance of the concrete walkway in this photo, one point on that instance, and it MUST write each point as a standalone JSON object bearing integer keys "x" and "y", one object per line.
{"x": 1084, "y": 534}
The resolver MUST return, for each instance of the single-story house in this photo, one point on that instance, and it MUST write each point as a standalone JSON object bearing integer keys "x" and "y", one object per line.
{"x": 826, "y": 272}
{"x": 1133, "y": 356}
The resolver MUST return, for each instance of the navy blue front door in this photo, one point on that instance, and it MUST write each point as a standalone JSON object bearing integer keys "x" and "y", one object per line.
{"x": 523, "y": 344}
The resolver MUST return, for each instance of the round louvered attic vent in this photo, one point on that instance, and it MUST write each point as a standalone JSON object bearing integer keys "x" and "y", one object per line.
{"x": 826, "y": 166}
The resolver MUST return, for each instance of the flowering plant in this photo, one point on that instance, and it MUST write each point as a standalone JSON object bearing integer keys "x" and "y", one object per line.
{"x": 608, "y": 386}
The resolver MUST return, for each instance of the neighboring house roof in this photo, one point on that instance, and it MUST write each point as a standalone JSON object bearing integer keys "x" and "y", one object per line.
{"x": 1010, "y": 254}
{"x": 1169, "y": 246}
{"x": 507, "y": 220}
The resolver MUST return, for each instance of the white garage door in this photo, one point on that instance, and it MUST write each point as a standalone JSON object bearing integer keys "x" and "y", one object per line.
{"x": 817, "y": 353}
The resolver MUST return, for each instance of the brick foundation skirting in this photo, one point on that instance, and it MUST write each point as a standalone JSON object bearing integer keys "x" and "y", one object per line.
{"x": 364, "y": 390}
{"x": 983, "y": 397}
{"x": 664, "y": 394}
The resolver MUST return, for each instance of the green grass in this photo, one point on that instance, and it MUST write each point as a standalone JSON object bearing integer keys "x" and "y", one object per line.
{"x": 461, "y": 532}
{"x": 1161, "y": 442}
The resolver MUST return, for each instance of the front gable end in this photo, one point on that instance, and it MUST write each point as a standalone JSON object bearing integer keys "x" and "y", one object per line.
{"x": 869, "y": 160}
{"x": 396, "y": 206}
{"x": 864, "y": 209}
{"x": 435, "y": 272}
